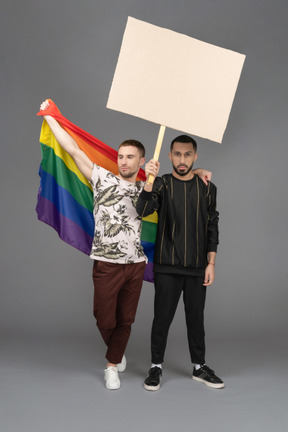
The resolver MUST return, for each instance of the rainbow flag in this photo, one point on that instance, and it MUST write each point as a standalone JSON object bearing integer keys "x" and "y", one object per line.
{"x": 65, "y": 197}
{"x": 148, "y": 239}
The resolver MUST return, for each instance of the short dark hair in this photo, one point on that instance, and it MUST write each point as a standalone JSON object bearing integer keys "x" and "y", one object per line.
{"x": 134, "y": 143}
{"x": 184, "y": 139}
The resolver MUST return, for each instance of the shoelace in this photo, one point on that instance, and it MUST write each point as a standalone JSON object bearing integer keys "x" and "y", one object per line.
{"x": 155, "y": 372}
{"x": 113, "y": 375}
{"x": 209, "y": 371}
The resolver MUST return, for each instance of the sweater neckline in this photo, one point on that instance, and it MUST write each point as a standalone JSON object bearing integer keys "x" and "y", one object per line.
{"x": 184, "y": 181}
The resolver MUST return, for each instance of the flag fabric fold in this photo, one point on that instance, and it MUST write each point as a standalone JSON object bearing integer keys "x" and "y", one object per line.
{"x": 65, "y": 197}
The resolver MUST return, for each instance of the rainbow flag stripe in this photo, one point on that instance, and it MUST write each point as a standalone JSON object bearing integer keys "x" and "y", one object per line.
{"x": 148, "y": 238}
{"x": 65, "y": 197}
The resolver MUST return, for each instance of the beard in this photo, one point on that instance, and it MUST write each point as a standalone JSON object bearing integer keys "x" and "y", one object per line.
{"x": 182, "y": 173}
{"x": 127, "y": 174}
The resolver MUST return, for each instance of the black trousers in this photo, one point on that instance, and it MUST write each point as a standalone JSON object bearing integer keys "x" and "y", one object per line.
{"x": 168, "y": 289}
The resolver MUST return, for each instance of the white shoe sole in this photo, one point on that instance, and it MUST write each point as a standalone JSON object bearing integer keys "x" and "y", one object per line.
{"x": 116, "y": 387}
{"x": 152, "y": 388}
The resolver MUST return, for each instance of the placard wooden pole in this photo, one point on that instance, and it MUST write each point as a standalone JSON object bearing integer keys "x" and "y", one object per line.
{"x": 151, "y": 178}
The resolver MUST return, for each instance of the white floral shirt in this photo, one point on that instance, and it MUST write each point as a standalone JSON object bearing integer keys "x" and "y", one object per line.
{"x": 117, "y": 224}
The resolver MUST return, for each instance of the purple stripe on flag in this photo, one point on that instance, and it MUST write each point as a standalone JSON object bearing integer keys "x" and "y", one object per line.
{"x": 148, "y": 273}
{"x": 65, "y": 203}
{"x": 67, "y": 230}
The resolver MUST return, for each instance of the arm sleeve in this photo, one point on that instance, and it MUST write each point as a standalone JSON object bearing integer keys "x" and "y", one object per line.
{"x": 148, "y": 202}
{"x": 213, "y": 220}
{"x": 98, "y": 175}
{"x": 94, "y": 176}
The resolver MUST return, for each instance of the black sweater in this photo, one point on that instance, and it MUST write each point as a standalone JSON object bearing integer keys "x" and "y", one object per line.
{"x": 187, "y": 223}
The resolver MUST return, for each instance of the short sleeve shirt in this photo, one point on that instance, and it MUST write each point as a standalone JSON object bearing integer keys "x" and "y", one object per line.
{"x": 117, "y": 224}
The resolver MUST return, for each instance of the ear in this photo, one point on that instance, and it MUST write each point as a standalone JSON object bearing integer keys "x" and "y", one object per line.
{"x": 170, "y": 156}
{"x": 142, "y": 161}
{"x": 195, "y": 157}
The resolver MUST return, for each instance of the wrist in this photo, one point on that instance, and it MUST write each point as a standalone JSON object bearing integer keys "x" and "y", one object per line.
{"x": 148, "y": 187}
{"x": 49, "y": 119}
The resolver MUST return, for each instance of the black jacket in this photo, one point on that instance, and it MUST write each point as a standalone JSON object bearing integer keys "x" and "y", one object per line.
{"x": 187, "y": 223}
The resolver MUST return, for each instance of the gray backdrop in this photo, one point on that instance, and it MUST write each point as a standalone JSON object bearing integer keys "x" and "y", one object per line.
{"x": 67, "y": 50}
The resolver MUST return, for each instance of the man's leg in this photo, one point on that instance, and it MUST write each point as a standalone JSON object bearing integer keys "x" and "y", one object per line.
{"x": 168, "y": 289}
{"x": 108, "y": 279}
{"x": 194, "y": 299}
{"x": 117, "y": 289}
{"x": 127, "y": 302}
{"x": 194, "y": 296}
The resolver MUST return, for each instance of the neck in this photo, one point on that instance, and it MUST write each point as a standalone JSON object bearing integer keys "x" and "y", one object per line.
{"x": 186, "y": 177}
{"x": 131, "y": 179}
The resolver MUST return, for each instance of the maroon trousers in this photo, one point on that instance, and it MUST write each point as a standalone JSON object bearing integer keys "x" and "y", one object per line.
{"x": 117, "y": 290}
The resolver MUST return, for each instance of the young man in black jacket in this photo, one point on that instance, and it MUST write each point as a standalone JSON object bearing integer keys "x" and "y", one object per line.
{"x": 185, "y": 252}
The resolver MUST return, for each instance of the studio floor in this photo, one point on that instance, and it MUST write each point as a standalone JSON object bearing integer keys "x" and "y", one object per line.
{"x": 56, "y": 384}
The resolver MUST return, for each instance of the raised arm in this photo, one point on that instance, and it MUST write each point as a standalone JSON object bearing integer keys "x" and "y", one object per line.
{"x": 151, "y": 168}
{"x": 68, "y": 144}
{"x": 148, "y": 200}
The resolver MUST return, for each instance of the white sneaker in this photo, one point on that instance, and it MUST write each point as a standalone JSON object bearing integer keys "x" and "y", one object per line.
{"x": 122, "y": 366}
{"x": 111, "y": 378}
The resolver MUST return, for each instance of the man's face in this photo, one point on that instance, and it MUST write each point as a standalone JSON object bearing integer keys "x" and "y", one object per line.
{"x": 182, "y": 157}
{"x": 129, "y": 161}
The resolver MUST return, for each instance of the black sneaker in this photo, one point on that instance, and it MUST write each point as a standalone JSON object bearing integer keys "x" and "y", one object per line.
{"x": 152, "y": 382}
{"x": 208, "y": 377}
